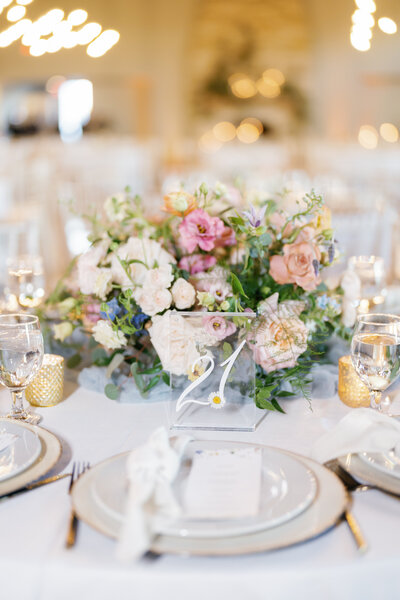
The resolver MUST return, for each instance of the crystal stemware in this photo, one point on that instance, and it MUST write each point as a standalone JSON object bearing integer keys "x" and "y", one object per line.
{"x": 21, "y": 355}
{"x": 375, "y": 352}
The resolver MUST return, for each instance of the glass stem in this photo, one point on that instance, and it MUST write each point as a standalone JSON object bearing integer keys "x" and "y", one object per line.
{"x": 375, "y": 398}
{"x": 17, "y": 409}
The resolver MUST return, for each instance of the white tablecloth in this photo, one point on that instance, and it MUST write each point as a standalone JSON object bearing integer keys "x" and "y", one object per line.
{"x": 35, "y": 565}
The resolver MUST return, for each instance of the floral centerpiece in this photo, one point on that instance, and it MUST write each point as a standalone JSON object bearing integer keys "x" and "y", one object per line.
{"x": 213, "y": 250}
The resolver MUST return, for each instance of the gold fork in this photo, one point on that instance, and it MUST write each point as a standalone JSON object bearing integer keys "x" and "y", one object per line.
{"x": 77, "y": 470}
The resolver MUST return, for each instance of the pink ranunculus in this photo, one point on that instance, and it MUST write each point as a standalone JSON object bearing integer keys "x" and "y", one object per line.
{"x": 200, "y": 229}
{"x": 218, "y": 326}
{"x": 196, "y": 263}
{"x": 299, "y": 264}
{"x": 227, "y": 238}
{"x": 280, "y": 336}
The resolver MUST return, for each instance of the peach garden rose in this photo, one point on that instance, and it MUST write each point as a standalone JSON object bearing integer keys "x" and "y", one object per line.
{"x": 299, "y": 264}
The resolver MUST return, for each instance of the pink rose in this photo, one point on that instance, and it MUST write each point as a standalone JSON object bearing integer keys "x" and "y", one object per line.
{"x": 219, "y": 327}
{"x": 196, "y": 263}
{"x": 200, "y": 229}
{"x": 299, "y": 264}
{"x": 227, "y": 238}
{"x": 280, "y": 336}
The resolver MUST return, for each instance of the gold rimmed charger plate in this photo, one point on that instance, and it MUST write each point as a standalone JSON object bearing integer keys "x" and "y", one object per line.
{"x": 328, "y": 507}
{"x": 49, "y": 454}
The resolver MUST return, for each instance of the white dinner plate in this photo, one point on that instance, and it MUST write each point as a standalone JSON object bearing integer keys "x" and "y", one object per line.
{"x": 386, "y": 462}
{"x": 287, "y": 488}
{"x": 20, "y": 454}
{"x": 329, "y": 504}
{"x": 49, "y": 453}
{"x": 365, "y": 472}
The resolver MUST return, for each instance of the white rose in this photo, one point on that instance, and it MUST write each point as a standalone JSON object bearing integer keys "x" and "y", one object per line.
{"x": 183, "y": 294}
{"x": 102, "y": 285}
{"x": 62, "y": 330}
{"x": 161, "y": 277}
{"x": 351, "y": 285}
{"x": 349, "y": 313}
{"x": 104, "y": 333}
{"x": 153, "y": 301}
{"x": 173, "y": 339}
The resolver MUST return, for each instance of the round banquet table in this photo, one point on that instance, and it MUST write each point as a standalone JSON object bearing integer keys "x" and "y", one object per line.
{"x": 35, "y": 565}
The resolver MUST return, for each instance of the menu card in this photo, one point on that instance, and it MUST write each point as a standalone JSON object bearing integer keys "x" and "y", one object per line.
{"x": 224, "y": 484}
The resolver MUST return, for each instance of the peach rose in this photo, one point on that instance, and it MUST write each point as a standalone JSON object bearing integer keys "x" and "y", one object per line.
{"x": 299, "y": 264}
{"x": 280, "y": 336}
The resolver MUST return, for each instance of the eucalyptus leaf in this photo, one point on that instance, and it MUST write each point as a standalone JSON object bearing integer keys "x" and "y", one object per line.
{"x": 74, "y": 361}
{"x": 114, "y": 364}
{"x": 111, "y": 391}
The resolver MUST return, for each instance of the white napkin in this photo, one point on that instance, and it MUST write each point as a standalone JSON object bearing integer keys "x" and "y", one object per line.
{"x": 6, "y": 440}
{"x": 151, "y": 469}
{"x": 361, "y": 430}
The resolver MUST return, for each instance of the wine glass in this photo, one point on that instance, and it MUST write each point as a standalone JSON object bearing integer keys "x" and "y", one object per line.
{"x": 371, "y": 271}
{"x": 375, "y": 353}
{"x": 21, "y": 355}
{"x": 25, "y": 281}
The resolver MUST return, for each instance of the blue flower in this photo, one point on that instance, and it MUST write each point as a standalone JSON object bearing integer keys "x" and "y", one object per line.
{"x": 138, "y": 320}
{"x": 114, "y": 310}
{"x": 322, "y": 301}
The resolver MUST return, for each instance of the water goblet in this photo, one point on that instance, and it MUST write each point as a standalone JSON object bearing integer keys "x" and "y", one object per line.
{"x": 371, "y": 271}
{"x": 375, "y": 353}
{"x": 21, "y": 355}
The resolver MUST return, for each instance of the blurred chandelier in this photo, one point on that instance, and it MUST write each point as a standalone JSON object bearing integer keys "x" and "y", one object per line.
{"x": 53, "y": 32}
{"x": 363, "y": 23}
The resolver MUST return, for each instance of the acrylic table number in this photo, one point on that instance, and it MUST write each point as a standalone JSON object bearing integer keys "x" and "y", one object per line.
{"x": 212, "y": 371}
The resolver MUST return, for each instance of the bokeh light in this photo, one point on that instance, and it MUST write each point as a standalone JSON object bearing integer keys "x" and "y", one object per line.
{"x": 77, "y": 17}
{"x": 275, "y": 75}
{"x": 103, "y": 43}
{"x": 268, "y": 88}
{"x": 361, "y": 17}
{"x": 368, "y": 137}
{"x": 367, "y": 5}
{"x": 242, "y": 86}
{"x": 247, "y": 133}
{"x": 389, "y": 132}
{"x": 224, "y": 131}
{"x": 387, "y": 25}
{"x": 256, "y": 122}
{"x": 208, "y": 143}
{"x": 16, "y": 13}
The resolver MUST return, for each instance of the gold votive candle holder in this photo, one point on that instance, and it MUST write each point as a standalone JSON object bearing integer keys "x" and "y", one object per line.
{"x": 351, "y": 389}
{"x": 48, "y": 386}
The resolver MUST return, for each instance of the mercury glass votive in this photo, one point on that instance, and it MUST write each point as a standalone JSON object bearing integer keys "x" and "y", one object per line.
{"x": 351, "y": 389}
{"x": 48, "y": 386}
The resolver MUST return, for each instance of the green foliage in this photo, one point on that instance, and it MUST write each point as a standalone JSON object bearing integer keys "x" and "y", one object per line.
{"x": 112, "y": 391}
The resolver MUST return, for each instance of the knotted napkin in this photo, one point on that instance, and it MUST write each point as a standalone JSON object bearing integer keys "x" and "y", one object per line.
{"x": 6, "y": 440}
{"x": 361, "y": 430}
{"x": 151, "y": 469}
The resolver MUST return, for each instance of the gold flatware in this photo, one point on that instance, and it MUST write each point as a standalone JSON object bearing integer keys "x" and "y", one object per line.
{"x": 36, "y": 484}
{"x": 348, "y": 516}
{"x": 77, "y": 470}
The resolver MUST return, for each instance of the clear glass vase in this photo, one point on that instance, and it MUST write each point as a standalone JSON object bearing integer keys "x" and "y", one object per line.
{"x": 212, "y": 372}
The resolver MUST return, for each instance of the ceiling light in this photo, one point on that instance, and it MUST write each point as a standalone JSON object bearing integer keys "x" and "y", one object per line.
{"x": 16, "y": 13}
{"x": 387, "y": 25}
{"x": 103, "y": 43}
{"x": 88, "y": 33}
{"x": 77, "y": 17}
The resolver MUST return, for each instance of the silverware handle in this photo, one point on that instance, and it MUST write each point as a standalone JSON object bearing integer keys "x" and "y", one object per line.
{"x": 72, "y": 528}
{"x": 356, "y": 531}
